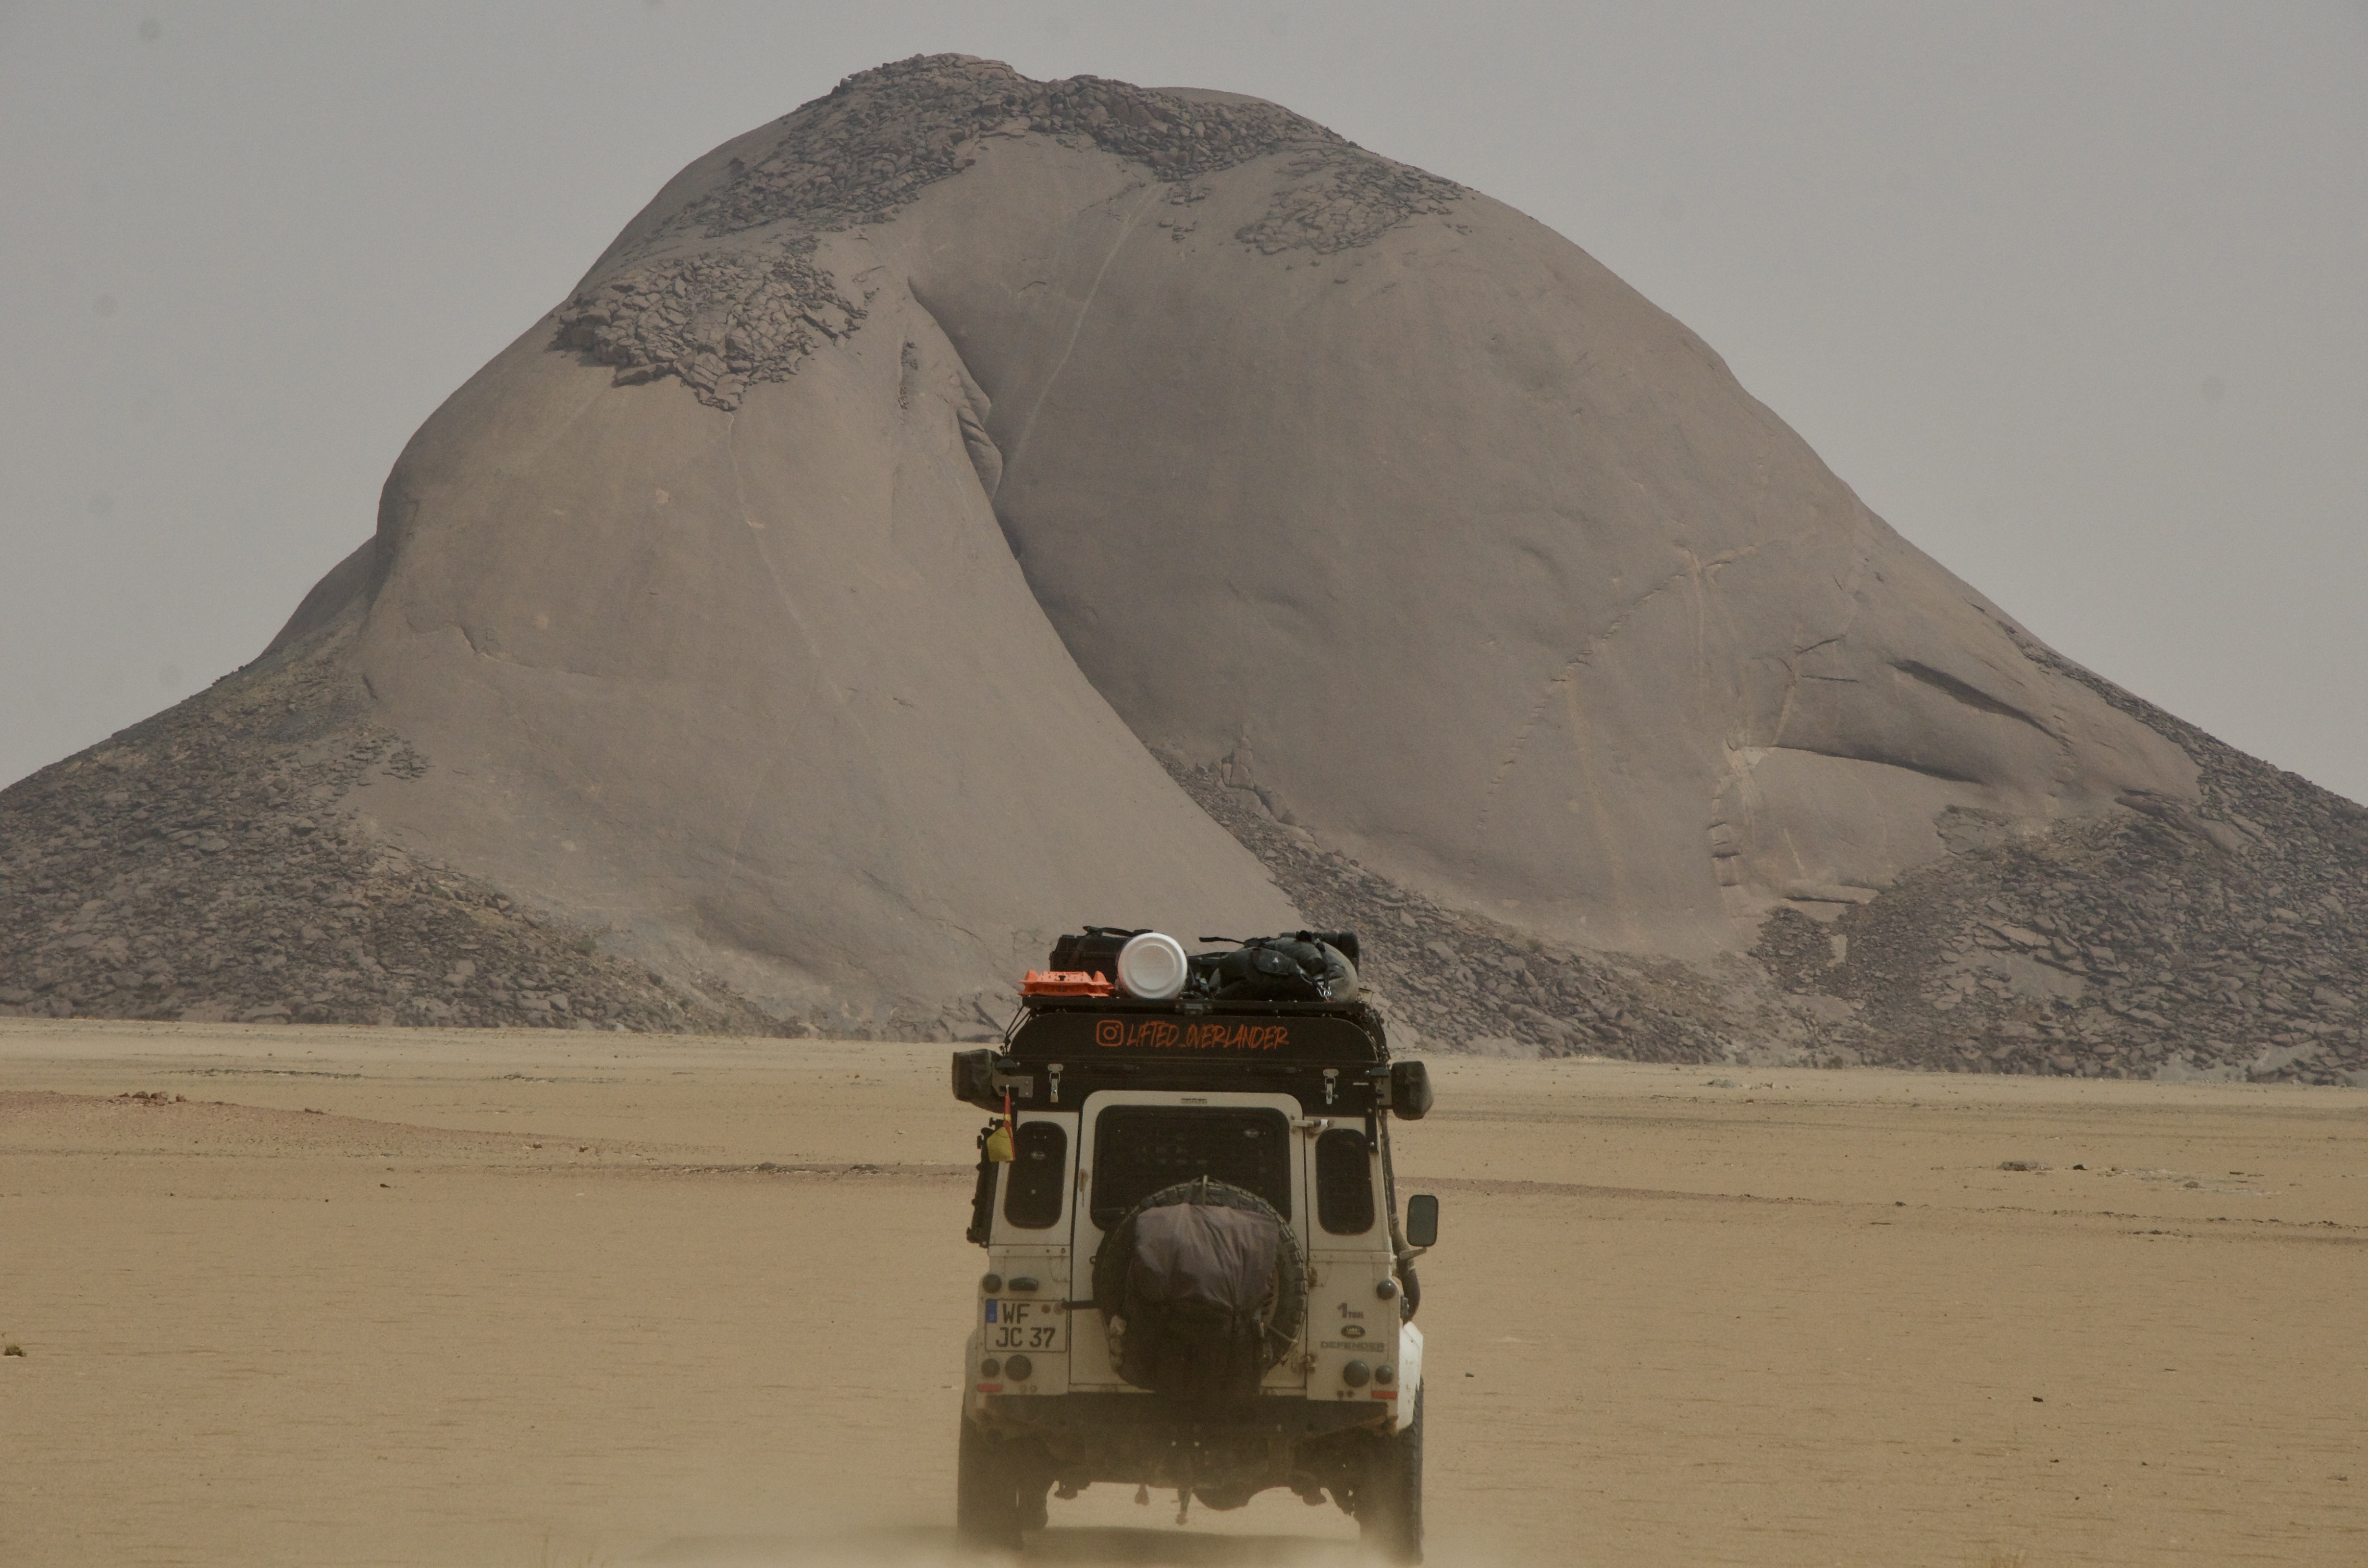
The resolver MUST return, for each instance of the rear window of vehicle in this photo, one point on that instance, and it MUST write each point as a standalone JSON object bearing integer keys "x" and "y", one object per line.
{"x": 1040, "y": 1174}
{"x": 1139, "y": 1149}
{"x": 1344, "y": 1182}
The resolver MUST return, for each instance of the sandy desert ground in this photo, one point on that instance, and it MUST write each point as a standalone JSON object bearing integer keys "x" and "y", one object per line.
{"x": 475, "y": 1298}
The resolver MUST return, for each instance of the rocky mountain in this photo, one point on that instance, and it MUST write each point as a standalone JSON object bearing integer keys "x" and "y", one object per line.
{"x": 972, "y": 506}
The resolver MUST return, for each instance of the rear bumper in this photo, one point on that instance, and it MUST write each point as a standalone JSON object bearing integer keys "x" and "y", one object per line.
{"x": 1085, "y": 1415}
{"x": 1223, "y": 1453}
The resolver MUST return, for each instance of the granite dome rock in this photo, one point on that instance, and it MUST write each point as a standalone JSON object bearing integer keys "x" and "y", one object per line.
{"x": 972, "y": 506}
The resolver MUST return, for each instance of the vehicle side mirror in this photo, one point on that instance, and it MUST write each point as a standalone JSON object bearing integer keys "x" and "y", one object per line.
{"x": 1409, "y": 1090}
{"x": 971, "y": 1070}
{"x": 1422, "y": 1220}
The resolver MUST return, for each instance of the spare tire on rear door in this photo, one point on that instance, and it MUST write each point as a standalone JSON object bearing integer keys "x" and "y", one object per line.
{"x": 1203, "y": 1287}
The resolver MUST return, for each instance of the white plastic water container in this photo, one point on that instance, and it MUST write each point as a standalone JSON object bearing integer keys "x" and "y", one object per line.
{"x": 1151, "y": 967}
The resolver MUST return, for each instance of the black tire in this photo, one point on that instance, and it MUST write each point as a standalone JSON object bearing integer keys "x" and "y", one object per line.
{"x": 998, "y": 1490}
{"x": 1389, "y": 1498}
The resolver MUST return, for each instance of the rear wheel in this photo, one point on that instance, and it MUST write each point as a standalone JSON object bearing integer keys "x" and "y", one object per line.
{"x": 998, "y": 1490}
{"x": 1389, "y": 1499}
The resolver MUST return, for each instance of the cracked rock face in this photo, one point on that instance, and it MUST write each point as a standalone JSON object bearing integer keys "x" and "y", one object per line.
{"x": 721, "y": 320}
{"x": 969, "y": 507}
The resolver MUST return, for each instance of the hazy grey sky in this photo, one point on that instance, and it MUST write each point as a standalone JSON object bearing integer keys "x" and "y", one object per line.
{"x": 2073, "y": 295}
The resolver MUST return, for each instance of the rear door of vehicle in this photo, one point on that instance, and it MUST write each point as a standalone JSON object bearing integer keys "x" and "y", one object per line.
{"x": 1135, "y": 1142}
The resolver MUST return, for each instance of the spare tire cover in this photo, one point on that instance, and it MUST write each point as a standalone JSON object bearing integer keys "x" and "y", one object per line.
{"x": 1288, "y": 1309}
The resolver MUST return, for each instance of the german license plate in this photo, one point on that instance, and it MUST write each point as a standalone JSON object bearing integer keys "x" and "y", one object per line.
{"x": 1025, "y": 1325}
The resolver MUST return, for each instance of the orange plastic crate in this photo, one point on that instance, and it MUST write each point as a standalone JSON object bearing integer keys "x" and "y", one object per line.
{"x": 1066, "y": 982}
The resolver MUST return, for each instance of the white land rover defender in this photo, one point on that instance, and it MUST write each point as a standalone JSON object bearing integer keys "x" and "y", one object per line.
{"x": 1196, "y": 1275}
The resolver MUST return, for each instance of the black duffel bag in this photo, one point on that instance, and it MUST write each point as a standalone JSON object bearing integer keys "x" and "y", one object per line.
{"x": 1303, "y": 967}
